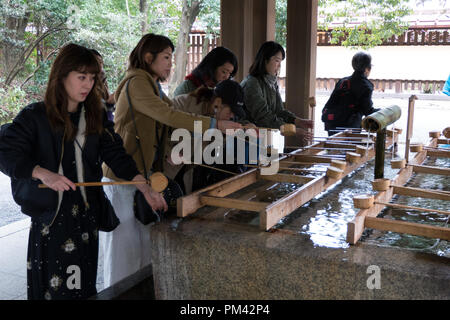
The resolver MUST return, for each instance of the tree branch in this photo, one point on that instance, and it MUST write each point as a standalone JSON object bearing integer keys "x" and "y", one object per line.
{"x": 27, "y": 52}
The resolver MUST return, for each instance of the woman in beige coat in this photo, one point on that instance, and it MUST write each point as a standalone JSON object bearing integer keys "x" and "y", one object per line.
{"x": 127, "y": 249}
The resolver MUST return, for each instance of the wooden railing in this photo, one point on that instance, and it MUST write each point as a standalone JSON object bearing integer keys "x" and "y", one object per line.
{"x": 383, "y": 85}
{"x": 415, "y": 36}
{"x": 198, "y": 49}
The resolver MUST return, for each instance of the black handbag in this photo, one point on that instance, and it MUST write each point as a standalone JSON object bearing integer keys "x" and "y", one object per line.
{"x": 107, "y": 219}
{"x": 142, "y": 210}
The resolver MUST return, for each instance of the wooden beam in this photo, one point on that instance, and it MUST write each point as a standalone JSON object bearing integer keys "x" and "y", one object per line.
{"x": 301, "y": 48}
{"x": 289, "y": 178}
{"x": 421, "y": 193}
{"x": 402, "y": 206}
{"x": 431, "y": 170}
{"x": 233, "y": 203}
{"x": 191, "y": 203}
{"x": 408, "y": 227}
{"x": 439, "y": 153}
{"x": 311, "y": 158}
{"x": 340, "y": 145}
{"x": 289, "y": 203}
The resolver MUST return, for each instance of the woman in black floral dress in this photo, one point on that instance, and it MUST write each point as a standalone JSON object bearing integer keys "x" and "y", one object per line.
{"x": 58, "y": 142}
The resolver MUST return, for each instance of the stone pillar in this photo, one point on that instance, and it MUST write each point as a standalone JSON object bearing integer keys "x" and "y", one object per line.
{"x": 245, "y": 25}
{"x": 301, "y": 51}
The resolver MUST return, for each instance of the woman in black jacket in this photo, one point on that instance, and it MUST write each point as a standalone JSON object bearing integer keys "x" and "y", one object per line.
{"x": 58, "y": 142}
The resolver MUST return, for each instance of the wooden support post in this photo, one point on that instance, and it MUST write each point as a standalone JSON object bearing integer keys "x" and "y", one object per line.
{"x": 301, "y": 51}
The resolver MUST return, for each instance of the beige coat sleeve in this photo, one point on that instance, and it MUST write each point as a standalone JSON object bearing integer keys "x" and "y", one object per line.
{"x": 145, "y": 101}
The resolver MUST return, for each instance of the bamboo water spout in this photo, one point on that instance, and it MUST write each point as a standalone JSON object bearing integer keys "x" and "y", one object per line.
{"x": 378, "y": 121}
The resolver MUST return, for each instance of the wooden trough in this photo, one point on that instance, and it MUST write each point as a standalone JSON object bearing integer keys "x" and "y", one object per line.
{"x": 367, "y": 218}
{"x": 270, "y": 213}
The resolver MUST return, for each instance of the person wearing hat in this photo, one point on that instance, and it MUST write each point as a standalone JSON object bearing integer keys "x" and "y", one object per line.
{"x": 224, "y": 102}
{"x": 351, "y": 98}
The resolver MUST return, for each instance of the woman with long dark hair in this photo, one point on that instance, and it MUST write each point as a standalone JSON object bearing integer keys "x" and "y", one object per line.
{"x": 218, "y": 65}
{"x": 58, "y": 142}
{"x": 262, "y": 96}
{"x": 127, "y": 249}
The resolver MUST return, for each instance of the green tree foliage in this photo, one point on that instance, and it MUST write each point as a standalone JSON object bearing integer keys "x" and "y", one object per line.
{"x": 362, "y": 23}
{"x": 32, "y": 31}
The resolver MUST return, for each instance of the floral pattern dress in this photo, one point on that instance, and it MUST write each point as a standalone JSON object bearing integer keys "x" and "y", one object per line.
{"x": 63, "y": 254}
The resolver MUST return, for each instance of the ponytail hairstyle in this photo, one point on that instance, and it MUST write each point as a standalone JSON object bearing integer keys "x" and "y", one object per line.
{"x": 73, "y": 57}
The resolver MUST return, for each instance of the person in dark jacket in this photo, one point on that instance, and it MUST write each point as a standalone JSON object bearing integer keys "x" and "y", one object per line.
{"x": 58, "y": 142}
{"x": 218, "y": 65}
{"x": 351, "y": 98}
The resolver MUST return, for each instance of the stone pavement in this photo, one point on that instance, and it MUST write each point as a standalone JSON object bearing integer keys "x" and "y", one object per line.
{"x": 13, "y": 261}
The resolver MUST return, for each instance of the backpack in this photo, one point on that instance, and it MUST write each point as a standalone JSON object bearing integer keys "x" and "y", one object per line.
{"x": 340, "y": 108}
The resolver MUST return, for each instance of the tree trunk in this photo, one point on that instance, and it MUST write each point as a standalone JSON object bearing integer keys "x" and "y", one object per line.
{"x": 143, "y": 8}
{"x": 39, "y": 47}
{"x": 188, "y": 16}
{"x": 14, "y": 41}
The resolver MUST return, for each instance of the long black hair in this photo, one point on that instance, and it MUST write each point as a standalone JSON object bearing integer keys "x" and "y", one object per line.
{"x": 214, "y": 59}
{"x": 265, "y": 52}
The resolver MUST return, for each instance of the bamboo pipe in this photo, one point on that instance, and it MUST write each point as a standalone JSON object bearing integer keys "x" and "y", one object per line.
{"x": 393, "y": 205}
